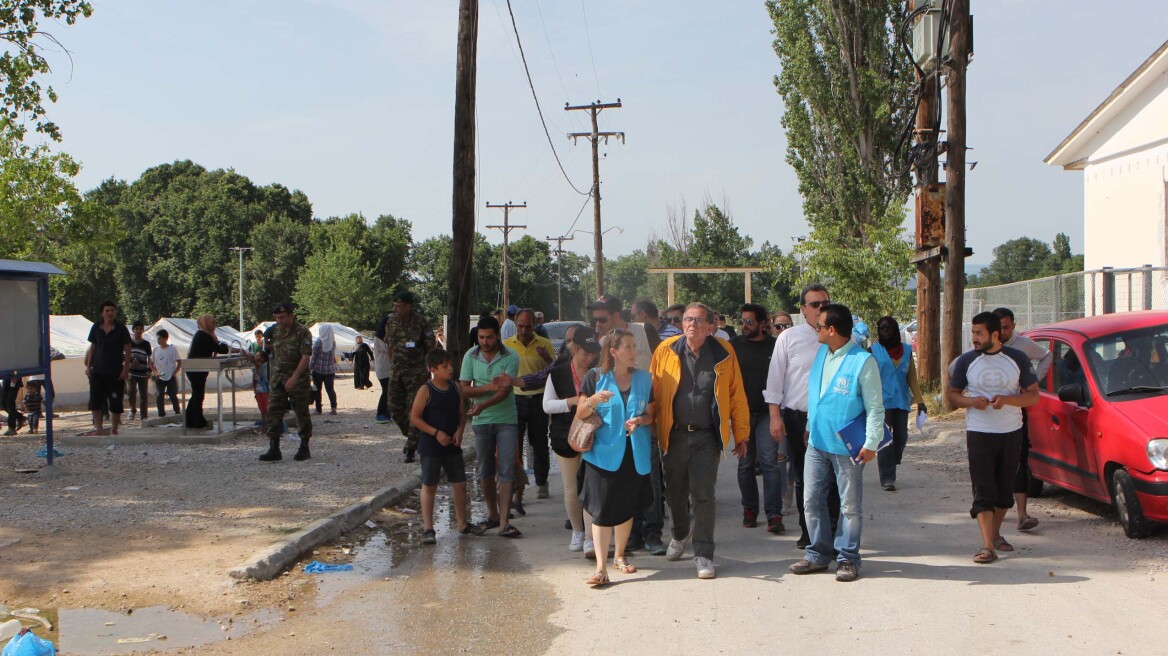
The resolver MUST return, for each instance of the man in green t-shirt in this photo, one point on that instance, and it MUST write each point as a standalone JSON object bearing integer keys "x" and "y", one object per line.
{"x": 495, "y": 421}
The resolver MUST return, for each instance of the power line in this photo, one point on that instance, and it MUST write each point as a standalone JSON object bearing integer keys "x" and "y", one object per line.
{"x": 537, "y": 107}
{"x": 588, "y": 37}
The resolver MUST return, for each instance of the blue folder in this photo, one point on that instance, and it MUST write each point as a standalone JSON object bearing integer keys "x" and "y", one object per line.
{"x": 855, "y": 434}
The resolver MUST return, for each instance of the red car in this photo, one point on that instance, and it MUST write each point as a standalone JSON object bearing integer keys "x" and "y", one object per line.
{"x": 1100, "y": 427}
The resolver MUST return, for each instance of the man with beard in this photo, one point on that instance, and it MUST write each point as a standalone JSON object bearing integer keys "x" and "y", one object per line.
{"x": 898, "y": 377}
{"x": 993, "y": 382}
{"x": 754, "y": 348}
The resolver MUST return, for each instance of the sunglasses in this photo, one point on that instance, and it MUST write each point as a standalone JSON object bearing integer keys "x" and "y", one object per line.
{"x": 673, "y": 320}
{"x": 783, "y": 326}
{"x": 596, "y": 320}
{"x": 817, "y": 304}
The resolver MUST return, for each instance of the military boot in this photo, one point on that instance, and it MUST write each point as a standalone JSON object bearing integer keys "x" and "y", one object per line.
{"x": 273, "y": 453}
{"x": 302, "y": 453}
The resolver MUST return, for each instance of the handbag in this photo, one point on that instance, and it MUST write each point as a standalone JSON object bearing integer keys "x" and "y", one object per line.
{"x": 582, "y": 433}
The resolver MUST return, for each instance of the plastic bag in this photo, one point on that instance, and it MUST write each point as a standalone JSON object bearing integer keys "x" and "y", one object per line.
{"x": 27, "y": 643}
{"x": 922, "y": 417}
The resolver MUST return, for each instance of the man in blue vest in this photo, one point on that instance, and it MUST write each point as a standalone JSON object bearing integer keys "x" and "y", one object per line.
{"x": 844, "y": 385}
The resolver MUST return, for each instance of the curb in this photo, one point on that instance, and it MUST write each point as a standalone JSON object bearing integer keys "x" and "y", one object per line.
{"x": 270, "y": 561}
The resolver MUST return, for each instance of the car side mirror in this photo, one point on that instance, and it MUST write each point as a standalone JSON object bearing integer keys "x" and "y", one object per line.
{"x": 1073, "y": 393}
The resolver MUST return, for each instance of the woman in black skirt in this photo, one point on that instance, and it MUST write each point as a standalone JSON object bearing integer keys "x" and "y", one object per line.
{"x": 615, "y": 483}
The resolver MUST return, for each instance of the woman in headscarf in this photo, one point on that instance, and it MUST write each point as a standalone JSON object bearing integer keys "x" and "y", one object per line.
{"x": 898, "y": 379}
{"x": 204, "y": 344}
{"x": 361, "y": 355}
{"x": 323, "y": 365}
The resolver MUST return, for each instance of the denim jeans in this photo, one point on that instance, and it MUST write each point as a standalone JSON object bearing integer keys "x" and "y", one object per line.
{"x": 819, "y": 469}
{"x": 497, "y": 446}
{"x": 763, "y": 449}
{"x": 163, "y": 389}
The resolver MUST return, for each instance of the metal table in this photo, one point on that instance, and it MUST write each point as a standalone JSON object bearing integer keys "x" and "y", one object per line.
{"x": 217, "y": 366}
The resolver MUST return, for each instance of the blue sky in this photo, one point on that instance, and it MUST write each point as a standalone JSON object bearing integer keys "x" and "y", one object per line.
{"x": 351, "y": 101}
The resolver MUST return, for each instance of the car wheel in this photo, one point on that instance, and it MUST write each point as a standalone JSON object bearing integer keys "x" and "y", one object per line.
{"x": 1034, "y": 488}
{"x": 1131, "y": 515}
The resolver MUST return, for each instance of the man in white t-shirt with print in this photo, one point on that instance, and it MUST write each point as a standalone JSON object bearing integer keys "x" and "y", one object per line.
{"x": 993, "y": 382}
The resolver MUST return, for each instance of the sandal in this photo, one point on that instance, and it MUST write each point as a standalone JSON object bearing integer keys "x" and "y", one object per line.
{"x": 984, "y": 556}
{"x": 1026, "y": 522}
{"x": 509, "y": 531}
{"x": 624, "y": 566}
{"x": 598, "y": 579}
{"x": 1001, "y": 545}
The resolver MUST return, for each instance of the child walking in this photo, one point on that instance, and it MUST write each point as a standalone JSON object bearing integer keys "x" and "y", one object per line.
{"x": 439, "y": 415}
{"x": 32, "y": 405}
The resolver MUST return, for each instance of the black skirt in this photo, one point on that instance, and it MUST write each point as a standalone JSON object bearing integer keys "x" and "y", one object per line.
{"x": 614, "y": 497}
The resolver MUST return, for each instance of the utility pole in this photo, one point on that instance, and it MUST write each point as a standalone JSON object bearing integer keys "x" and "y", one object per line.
{"x": 240, "y": 250}
{"x": 559, "y": 274}
{"x": 507, "y": 228}
{"x": 959, "y": 48}
{"x": 463, "y": 196}
{"x": 595, "y": 136}
{"x": 930, "y": 233}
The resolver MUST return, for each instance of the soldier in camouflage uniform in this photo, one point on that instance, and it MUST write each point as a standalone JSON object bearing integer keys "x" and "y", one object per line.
{"x": 409, "y": 338}
{"x": 288, "y": 346}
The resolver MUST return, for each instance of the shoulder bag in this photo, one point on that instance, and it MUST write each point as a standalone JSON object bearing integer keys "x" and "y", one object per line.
{"x": 583, "y": 432}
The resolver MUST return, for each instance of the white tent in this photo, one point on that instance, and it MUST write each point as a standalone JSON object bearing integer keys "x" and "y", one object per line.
{"x": 344, "y": 336}
{"x": 182, "y": 331}
{"x": 69, "y": 334}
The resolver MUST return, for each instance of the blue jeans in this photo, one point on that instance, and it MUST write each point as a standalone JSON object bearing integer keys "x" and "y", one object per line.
{"x": 763, "y": 448}
{"x": 819, "y": 469}
{"x": 496, "y": 444}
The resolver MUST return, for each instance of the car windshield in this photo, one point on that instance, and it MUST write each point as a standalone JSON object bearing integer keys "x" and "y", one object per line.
{"x": 1131, "y": 363}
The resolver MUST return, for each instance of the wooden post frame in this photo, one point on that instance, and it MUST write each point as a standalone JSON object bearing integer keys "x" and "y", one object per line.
{"x": 745, "y": 271}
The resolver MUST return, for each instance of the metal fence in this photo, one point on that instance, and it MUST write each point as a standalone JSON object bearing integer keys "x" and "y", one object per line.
{"x": 1071, "y": 296}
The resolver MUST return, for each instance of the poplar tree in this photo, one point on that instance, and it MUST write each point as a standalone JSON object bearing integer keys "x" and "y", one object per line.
{"x": 846, "y": 84}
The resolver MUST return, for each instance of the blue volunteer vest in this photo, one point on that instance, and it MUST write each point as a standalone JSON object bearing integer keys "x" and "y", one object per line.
{"x": 839, "y": 404}
{"x": 894, "y": 378}
{"x": 608, "y": 448}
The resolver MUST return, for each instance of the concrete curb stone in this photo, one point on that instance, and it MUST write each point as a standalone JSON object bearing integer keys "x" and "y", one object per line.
{"x": 269, "y": 562}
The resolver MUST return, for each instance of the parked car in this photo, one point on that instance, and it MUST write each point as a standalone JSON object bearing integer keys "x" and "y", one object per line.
{"x": 1100, "y": 427}
{"x": 909, "y": 335}
{"x": 557, "y": 329}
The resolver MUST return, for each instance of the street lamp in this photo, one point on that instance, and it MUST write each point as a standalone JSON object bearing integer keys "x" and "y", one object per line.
{"x": 240, "y": 250}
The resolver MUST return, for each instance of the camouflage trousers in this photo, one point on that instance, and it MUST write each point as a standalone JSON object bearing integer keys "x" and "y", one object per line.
{"x": 403, "y": 387}
{"x": 281, "y": 401}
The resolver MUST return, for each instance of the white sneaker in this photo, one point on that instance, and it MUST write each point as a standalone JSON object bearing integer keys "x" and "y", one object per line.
{"x": 589, "y": 549}
{"x": 577, "y": 543}
{"x": 705, "y": 567}
{"x": 676, "y": 548}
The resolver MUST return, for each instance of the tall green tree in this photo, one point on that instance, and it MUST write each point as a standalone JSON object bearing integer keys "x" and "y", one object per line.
{"x": 271, "y": 270}
{"x": 1027, "y": 258}
{"x": 846, "y": 86}
{"x": 337, "y": 285}
{"x": 22, "y": 95}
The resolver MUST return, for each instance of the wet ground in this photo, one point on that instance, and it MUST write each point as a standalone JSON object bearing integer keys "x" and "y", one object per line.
{"x": 402, "y": 597}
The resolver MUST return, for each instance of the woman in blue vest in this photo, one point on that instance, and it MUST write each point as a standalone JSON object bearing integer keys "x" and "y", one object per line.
{"x": 898, "y": 376}
{"x": 615, "y": 483}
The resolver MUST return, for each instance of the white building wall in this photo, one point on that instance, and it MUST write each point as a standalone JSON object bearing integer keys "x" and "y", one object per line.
{"x": 1124, "y": 210}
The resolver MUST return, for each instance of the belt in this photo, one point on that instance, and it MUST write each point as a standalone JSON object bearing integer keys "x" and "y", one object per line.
{"x": 691, "y": 428}
{"x": 797, "y": 413}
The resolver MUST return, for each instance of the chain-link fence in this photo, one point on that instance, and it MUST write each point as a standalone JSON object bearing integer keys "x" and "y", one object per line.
{"x": 1071, "y": 296}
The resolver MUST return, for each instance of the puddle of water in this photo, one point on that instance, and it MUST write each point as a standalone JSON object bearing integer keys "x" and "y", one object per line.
{"x": 97, "y": 632}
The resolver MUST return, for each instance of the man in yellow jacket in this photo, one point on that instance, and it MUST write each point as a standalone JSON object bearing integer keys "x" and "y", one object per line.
{"x": 701, "y": 410}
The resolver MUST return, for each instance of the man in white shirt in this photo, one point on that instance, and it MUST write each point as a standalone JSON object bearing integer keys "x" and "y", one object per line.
{"x": 994, "y": 383}
{"x": 786, "y": 394}
{"x": 509, "y": 329}
{"x": 164, "y": 364}
{"x": 1041, "y": 359}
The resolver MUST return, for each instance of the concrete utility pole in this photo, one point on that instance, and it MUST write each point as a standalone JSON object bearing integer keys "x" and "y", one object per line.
{"x": 595, "y": 136}
{"x": 463, "y": 210}
{"x": 507, "y": 228}
{"x": 240, "y": 250}
{"x": 959, "y": 49}
{"x": 559, "y": 274}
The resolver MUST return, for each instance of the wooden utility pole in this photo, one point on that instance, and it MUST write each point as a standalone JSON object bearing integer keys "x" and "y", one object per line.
{"x": 507, "y": 228}
{"x": 928, "y": 346}
{"x": 560, "y": 274}
{"x": 463, "y": 214}
{"x": 595, "y": 136}
{"x": 959, "y": 47}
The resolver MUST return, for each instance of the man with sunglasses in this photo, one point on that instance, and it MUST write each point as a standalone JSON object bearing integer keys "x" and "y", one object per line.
{"x": 786, "y": 394}
{"x": 673, "y": 315}
{"x": 754, "y": 348}
{"x": 606, "y": 316}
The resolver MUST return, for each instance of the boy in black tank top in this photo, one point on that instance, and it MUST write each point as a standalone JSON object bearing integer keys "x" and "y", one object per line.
{"x": 439, "y": 416}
